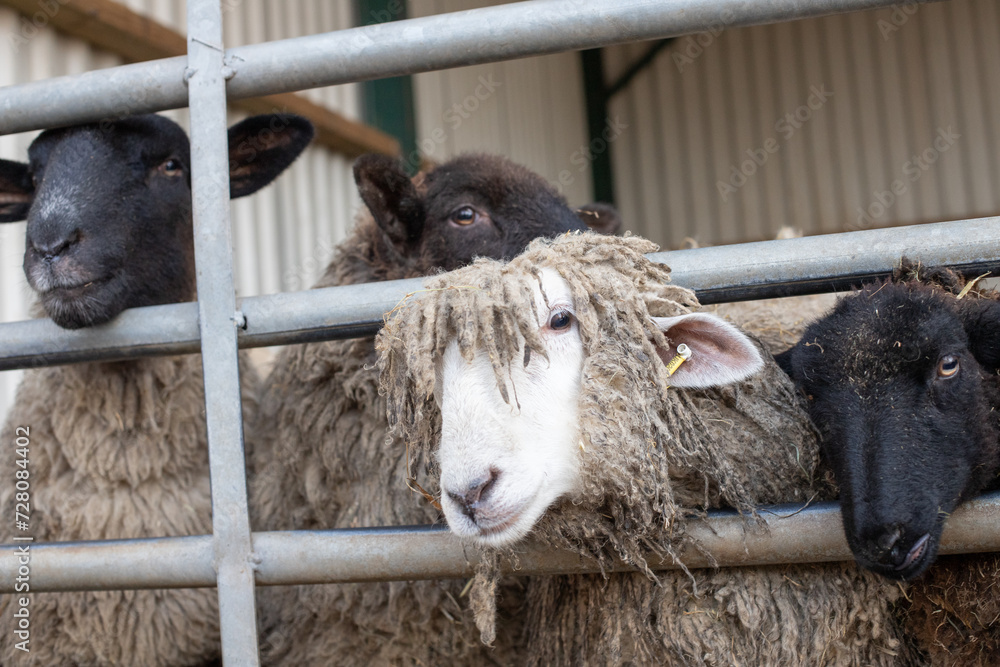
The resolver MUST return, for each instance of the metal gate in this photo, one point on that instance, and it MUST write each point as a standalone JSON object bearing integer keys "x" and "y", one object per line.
{"x": 232, "y": 558}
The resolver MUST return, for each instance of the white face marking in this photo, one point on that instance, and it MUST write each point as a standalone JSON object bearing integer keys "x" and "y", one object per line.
{"x": 503, "y": 465}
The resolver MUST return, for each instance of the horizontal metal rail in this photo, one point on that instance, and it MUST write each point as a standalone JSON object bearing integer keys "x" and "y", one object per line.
{"x": 793, "y": 535}
{"x": 505, "y": 32}
{"x": 810, "y": 264}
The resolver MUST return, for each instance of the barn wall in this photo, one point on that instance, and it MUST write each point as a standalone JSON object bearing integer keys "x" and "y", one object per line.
{"x": 531, "y": 110}
{"x": 912, "y": 100}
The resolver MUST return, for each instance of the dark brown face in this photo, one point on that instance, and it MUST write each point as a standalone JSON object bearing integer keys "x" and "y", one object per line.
{"x": 472, "y": 206}
{"x": 899, "y": 391}
{"x": 479, "y": 206}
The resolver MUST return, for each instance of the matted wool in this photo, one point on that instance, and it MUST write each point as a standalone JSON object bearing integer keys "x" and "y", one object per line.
{"x": 654, "y": 459}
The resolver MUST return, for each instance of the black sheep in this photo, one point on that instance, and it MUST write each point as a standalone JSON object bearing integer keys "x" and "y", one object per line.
{"x": 902, "y": 380}
{"x": 119, "y": 450}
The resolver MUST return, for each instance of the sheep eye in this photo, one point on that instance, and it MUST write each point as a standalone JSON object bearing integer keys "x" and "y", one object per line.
{"x": 463, "y": 216}
{"x": 172, "y": 167}
{"x": 948, "y": 366}
{"x": 560, "y": 320}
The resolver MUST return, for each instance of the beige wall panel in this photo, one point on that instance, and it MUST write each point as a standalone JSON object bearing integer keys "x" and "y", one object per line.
{"x": 530, "y": 110}
{"x": 901, "y": 79}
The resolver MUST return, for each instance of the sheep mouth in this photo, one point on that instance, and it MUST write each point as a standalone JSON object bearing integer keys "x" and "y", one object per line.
{"x": 915, "y": 557}
{"x": 496, "y": 529}
{"x": 77, "y": 288}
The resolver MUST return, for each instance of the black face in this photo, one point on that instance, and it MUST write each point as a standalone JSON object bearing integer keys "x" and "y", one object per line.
{"x": 472, "y": 206}
{"x": 105, "y": 195}
{"x": 109, "y": 208}
{"x": 904, "y": 408}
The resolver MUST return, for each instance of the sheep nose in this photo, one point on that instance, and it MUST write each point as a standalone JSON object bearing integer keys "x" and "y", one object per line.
{"x": 474, "y": 492}
{"x": 50, "y": 249}
{"x": 888, "y": 539}
{"x": 891, "y": 548}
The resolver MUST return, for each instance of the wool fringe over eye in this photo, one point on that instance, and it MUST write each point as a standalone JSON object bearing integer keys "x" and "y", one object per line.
{"x": 651, "y": 456}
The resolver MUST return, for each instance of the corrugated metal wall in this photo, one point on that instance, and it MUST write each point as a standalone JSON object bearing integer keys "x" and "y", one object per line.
{"x": 730, "y": 135}
{"x": 531, "y": 110}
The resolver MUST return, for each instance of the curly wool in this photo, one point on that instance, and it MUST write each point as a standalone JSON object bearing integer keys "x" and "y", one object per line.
{"x": 117, "y": 450}
{"x": 651, "y": 459}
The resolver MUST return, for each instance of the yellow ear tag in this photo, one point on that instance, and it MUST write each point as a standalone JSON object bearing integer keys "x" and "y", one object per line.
{"x": 683, "y": 354}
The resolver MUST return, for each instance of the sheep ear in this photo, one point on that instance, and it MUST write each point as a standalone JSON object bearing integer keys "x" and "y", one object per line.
{"x": 981, "y": 319}
{"x": 16, "y": 191}
{"x": 601, "y": 218}
{"x": 261, "y": 147}
{"x": 391, "y": 197}
{"x": 720, "y": 353}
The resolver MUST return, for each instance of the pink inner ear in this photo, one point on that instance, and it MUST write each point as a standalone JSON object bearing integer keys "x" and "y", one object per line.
{"x": 721, "y": 353}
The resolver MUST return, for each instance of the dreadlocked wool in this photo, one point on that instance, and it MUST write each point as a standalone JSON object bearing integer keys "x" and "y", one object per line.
{"x": 324, "y": 462}
{"x": 653, "y": 460}
{"x": 117, "y": 450}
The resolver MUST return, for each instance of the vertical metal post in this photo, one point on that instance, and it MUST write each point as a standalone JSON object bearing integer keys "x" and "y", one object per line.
{"x": 216, "y": 312}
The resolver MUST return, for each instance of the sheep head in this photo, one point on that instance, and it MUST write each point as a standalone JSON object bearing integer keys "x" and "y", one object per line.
{"x": 108, "y": 207}
{"x": 545, "y": 379}
{"x": 902, "y": 383}
{"x": 471, "y": 206}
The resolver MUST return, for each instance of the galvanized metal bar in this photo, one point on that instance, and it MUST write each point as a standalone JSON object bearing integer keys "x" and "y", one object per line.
{"x": 793, "y": 535}
{"x": 831, "y": 262}
{"x": 232, "y": 548}
{"x": 722, "y": 273}
{"x": 490, "y": 34}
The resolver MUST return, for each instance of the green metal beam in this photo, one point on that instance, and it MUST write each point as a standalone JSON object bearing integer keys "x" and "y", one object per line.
{"x": 597, "y": 98}
{"x": 388, "y": 103}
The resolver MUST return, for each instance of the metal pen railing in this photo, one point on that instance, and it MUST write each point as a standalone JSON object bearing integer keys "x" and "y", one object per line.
{"x": 232, "y": 558}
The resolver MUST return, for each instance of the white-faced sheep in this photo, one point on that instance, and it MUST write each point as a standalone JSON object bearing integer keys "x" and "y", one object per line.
{"x": 319, "y": 454}
{"x": 119, "y": 450}
{"x": 540, "y": 387}
{"x": 903, "y": 379}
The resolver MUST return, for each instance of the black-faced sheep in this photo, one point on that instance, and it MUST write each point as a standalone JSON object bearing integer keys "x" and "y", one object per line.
{"x": 119, "y": 450}
{"x": 320, "y": 459}
{"x": 903, "y": 380}
{"x": 535, "y": 396}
